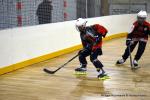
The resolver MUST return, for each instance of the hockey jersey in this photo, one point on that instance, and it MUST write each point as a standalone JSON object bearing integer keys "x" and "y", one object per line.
{"x": 139, "y": 31}
{"x": 91, "y": 37}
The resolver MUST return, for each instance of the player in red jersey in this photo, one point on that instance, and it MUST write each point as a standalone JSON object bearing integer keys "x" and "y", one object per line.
{"x": 138, "y": 35}
{"x": 91, "y": 37}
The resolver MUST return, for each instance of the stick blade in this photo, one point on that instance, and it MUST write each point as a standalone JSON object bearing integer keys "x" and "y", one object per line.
{"x": 48, "y": 71}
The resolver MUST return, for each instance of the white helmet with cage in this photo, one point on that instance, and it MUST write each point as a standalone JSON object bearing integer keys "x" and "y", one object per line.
{"x": 142, "y": 14}
{"x": 80, "y": 23}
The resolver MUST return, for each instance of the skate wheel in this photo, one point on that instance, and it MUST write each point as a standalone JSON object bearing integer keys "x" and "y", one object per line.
{"x": 80, "y": 73}
{"x": 104, "y": 78}
{"x": 135, "y": 68}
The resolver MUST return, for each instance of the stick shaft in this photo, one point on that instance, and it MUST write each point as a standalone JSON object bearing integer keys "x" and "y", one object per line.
{"x": 66, "y": 63}
{"x": 131, "y": 63}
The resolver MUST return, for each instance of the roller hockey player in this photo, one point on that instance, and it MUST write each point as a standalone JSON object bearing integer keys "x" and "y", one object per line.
{"x": 91, "y": 38}
{"x": 138, "y": 35}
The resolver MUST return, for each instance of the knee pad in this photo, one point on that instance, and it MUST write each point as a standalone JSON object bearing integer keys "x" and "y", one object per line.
{"x": 82, "y": 59}
{"x": 93, "y": 60}
{"x": 81, "y": 56}
{"x": 97, "y": 63}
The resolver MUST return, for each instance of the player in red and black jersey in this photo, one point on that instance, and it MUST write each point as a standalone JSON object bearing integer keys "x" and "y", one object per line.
{"x": 138, "y": 35}
{"x": 91, "y": 38}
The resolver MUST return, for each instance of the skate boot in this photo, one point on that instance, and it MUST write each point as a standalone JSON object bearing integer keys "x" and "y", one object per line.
{"x": 81, "y": 70}
{"x": 103, "y": 76}
{"x": 135, "y": 63}
{"x": 120, "y": 61}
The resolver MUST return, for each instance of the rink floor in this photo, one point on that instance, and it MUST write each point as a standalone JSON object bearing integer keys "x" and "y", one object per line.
{"x": 31, "y": 83}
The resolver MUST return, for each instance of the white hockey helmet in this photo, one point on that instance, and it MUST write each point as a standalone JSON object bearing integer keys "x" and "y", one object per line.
{"x": 81, "y": 22}
{"x": 142, "y": 14}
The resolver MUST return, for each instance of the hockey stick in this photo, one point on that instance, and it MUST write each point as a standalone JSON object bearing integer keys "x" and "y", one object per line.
{"x": 131, "y": 61}
{"x": 53, "y": 72}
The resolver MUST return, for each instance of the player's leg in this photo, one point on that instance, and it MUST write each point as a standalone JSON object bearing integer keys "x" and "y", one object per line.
{"x": 127, "y": 53}
{"x": 97, "y": 63}
{"x": 140, "y": 51}
{"x": 83, "y": 61}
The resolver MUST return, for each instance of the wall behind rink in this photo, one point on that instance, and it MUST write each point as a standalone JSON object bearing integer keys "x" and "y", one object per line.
{"x": 24, "y": 46}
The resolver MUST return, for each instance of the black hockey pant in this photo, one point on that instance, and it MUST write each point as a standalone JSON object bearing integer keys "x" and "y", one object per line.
{"x": 140, "y": 51}
{"x": 93, "y": 58}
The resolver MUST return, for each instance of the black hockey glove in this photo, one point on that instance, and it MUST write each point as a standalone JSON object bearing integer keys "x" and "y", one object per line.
{"x": 146, "y": 30}
{"x": 98, "y": 39}
{"x": 129, "y": 42}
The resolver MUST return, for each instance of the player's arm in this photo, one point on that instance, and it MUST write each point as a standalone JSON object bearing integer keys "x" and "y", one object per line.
{"x": 98, "y": 38}
{"x": 86, "y": 47}
{"x": 83, "y": 40}
{"x": 129, "y": 35}
{"x": 101, "y": 30}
